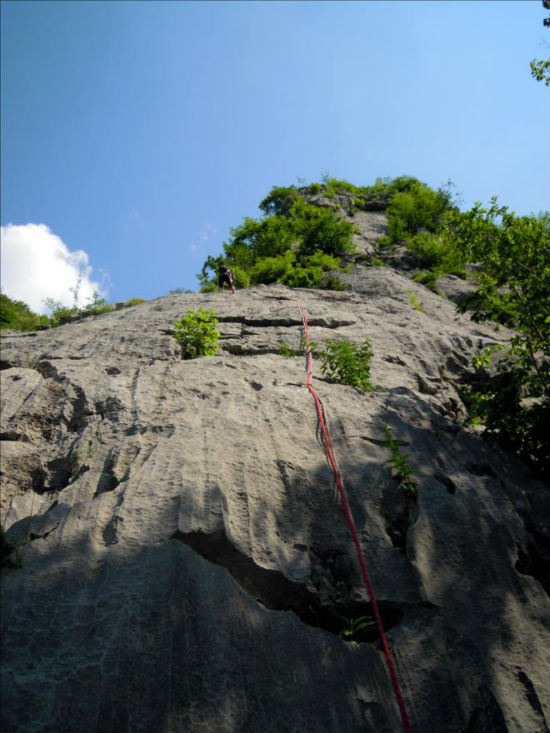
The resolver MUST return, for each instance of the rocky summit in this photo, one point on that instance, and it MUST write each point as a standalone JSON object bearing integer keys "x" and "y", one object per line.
{"x": 181, "y": 562}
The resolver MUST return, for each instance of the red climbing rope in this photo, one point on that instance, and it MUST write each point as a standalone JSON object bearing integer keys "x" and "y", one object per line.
{"x": 351, "y": 522}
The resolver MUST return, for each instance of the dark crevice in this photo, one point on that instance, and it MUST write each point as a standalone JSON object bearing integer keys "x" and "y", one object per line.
{"x": 241, "y": 349}
{"x": 532, "y": 696}
{"x": 481, "y": 469}
{"x": 81, "y": 412}
{"x": 38, "y": 480}
{"x": 535, "y": 562}
{"x": 273, "y": 590}
{"x": 110, "y": 532}
{"x": 288, "y": 321}
{"x": 57, "y": 475}
{"x": 60, "y": 470}
{"x": 48, "y": 371}
{"x": 109, "y": 408}
{"x": 399, "y": 512}
{"x": 34, "y": 536}
{"x": 14, "y": 436}
{"x": 108, "y": 480}
{"x": 447, "y": 482}
{"x": 5, "y": 365}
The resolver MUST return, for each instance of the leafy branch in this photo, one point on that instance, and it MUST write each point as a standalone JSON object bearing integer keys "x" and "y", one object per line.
{"x": 402, "y": 472}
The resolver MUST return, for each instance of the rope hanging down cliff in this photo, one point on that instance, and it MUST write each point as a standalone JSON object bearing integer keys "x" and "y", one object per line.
{"x": 347, "y": 511}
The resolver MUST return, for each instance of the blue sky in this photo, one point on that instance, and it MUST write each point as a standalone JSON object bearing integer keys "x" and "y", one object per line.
{"x": 135, "y": 134}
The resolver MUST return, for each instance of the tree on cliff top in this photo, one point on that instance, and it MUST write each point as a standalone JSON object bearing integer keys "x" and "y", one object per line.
{"x": 540, "y": 69}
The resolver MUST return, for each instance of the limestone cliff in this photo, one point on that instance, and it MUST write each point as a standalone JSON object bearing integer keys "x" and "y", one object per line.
{"x": 185, "y": 565}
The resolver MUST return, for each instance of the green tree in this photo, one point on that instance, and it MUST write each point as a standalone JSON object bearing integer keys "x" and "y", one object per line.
{"x": 513, "y": 286}
{"x": 415, "y": 208}
{"x": 16, "y": 315}
{"x": 279, "y": 246}
{"x": 540, "y": 69}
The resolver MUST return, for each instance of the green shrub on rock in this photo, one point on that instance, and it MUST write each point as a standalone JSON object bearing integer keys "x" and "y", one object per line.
{"x": 197, "y": 333}
{"x": 347, "y": 362}
{"x": 16, "y": 315}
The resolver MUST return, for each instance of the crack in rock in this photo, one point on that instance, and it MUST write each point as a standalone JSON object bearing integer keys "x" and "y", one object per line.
{"x": 273, "y": 590}
{"x": 324, "y": 322}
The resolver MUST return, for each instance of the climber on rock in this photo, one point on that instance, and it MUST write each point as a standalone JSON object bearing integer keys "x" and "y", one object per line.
{"x": 226, "y": 277}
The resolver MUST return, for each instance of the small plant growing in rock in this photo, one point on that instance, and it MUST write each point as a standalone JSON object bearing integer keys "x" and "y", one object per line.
{"x": 402, "y": 472}
{"x": 286, "y": 350}
{"x": 353, "y": 627}
{"x": 413, "y": 300}
{"x": 197, "y": 333}
{"x": 484, "y": 358}
{"x": 96, "y": 306}
{"x": 347, "y": 362}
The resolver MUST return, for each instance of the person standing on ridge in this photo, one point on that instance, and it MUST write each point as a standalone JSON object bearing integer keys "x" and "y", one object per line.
{"x": 225, "y": 277}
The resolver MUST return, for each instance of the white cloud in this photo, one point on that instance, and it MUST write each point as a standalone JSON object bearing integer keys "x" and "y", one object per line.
{"x": 193, "y": 246}
{"x": 37, "y": 264}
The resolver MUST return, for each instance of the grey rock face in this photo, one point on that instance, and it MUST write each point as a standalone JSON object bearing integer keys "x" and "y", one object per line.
{"x": 185, "y": 563}
{"x": 455, "y": 288}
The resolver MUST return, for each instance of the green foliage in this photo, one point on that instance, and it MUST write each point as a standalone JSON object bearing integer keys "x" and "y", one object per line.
{"x": 280, "y": 201}
{"x": 197, "y": 333}
{"x": 431, "y": 250}
{"x": 97, "y": 306}
{"x": 427, "y": 278}
{"x": 58, "y": 311}
{"x": 513, "y": 287}
{"x": 16, "y": 315}
{"x": 334, "y": 186}
{"x": 540, "y": 70}
{"x": 402, "y": 472}
{"x": 134, "y": 301}
{"x": 483, "y": 359}
{"x": 260, "y": 247}
{"x": 514, "y": 283}
{"x": 376, "y": 262}
{"x": 241, "y": 278}
{"x": 321, "y": 229}
{"x": 211, "y": 264}
{"x": 418, "y": 208}
{"x": 286, "y": 245}
{"x": 347, "y": 362}
{"x": 209, "y": 287}
{"x": 413, "y": 300}
{"x": 272, "y": 269}
{"x": 312, "y": 271}
{"x": 354, "y": 626}
{"x": 286, "y": 350}
{"x": 520, "y": 424}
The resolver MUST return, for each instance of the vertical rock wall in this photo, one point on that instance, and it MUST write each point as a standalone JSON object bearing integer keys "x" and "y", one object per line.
{"x": 185, "y": 564}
